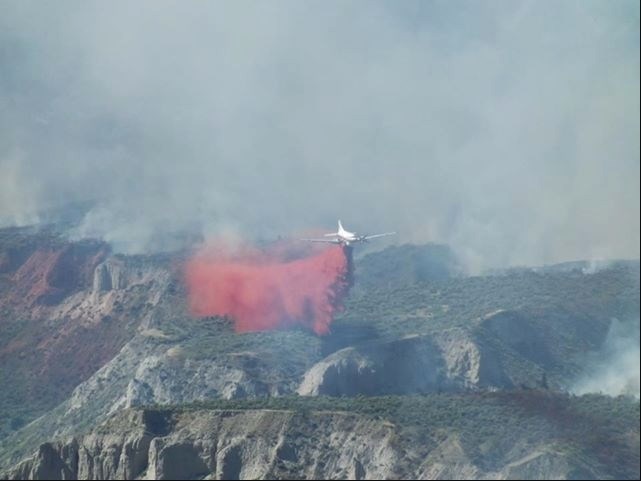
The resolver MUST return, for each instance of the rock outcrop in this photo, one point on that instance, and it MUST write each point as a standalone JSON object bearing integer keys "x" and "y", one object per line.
{"x": 267, "y": 444}
{"x": 446, "y": 361}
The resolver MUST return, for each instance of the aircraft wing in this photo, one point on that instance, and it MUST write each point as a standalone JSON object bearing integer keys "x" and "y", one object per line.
{"x": 328, "y": 241}
{"x": 374, "y": 236}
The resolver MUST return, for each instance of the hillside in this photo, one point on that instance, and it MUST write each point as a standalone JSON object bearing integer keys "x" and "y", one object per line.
{"x": 86, "y": 335}
{"x": 66, "y": 309}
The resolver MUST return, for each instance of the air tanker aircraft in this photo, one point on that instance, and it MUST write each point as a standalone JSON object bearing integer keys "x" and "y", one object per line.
{"x": 346, "y": 238}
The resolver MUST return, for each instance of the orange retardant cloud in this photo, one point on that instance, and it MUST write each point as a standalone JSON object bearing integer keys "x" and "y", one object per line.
{"x": 269, "y": 289}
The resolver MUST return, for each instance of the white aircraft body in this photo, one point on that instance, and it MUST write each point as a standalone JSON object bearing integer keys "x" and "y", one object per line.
{"x": 344, "y": 237}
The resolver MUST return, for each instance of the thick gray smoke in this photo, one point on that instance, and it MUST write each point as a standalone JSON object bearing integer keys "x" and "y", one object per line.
{"x": 614, "y": 369}
{"x": 509, "y": 130}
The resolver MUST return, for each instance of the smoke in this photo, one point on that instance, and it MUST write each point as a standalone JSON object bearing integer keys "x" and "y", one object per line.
{"x": 614, "y": 370}
{"x": 272, "y": 288}
{"x": 509, "y": 131}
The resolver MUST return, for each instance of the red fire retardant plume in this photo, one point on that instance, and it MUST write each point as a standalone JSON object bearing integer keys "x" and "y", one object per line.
{"x": 262, "y": 290}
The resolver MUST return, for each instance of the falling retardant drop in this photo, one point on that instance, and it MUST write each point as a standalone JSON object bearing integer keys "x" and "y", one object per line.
{"x": 272, "y": 288}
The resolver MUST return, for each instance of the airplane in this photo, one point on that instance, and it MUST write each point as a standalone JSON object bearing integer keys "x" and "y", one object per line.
{"x": 346, "y": 238}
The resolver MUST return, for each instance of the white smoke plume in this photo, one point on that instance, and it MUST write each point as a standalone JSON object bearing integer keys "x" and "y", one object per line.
{"x": 508, "y": 129}
{"x": 614, "y": 370}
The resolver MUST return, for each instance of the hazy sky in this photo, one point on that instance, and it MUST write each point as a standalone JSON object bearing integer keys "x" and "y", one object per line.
{"x": 507, "y": 129}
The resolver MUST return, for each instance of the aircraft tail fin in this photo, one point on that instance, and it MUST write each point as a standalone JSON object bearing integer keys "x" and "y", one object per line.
{"x": 341, "y": 230}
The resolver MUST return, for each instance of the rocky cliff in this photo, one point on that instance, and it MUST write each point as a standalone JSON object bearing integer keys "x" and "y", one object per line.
{"x": 281, "y": 444}
{"x": 447, "y": 361}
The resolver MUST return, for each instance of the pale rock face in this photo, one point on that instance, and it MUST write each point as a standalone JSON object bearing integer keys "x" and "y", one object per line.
{"x": 112, "y": 456}
{"x": 112, "y": 281}
{"x": 266, "y": 444}
{"x": 448, "y": 461}
{"x": 446, "y": 361}
{"x": 259, "y": 444}
{"x": 140, "y": 376}
{"x": 160, "y": 380}
{"x": 104, "y": 278}
{"x": 114, "y": 274}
